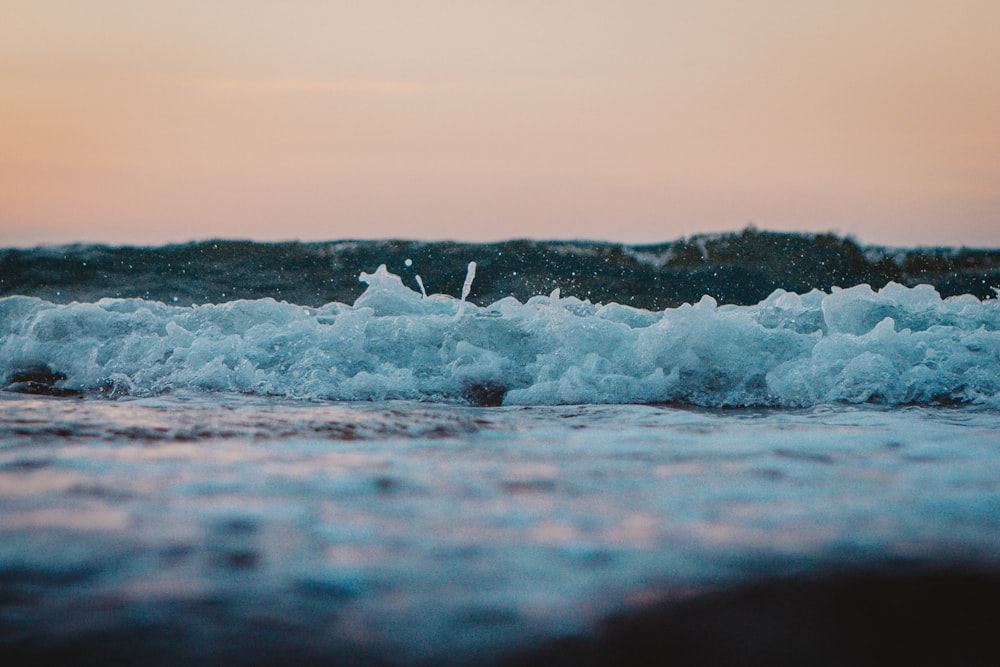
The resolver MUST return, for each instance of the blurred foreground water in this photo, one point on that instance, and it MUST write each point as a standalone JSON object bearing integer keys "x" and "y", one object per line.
{"x": 206, "y": 528}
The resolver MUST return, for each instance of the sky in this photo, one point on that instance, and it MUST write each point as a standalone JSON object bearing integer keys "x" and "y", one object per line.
{"x": 631, "y": 121}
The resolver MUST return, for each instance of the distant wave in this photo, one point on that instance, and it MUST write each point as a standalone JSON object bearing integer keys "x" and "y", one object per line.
{"x": 739, "y": 268}
{"x": 897, "y": 345}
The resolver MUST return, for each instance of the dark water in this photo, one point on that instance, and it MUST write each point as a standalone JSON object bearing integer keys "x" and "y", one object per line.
{"x": 739, "y": 268}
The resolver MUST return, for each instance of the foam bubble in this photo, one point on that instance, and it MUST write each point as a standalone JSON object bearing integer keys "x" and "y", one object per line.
{"x": 897, "y": 345}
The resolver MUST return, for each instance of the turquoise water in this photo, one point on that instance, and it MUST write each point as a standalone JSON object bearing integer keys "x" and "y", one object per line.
{"x": 193, "y": 525}
{"x": 256, "y": 458}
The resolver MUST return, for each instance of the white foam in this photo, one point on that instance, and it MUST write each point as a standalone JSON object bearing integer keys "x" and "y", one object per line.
{"x": 897, "y": 345}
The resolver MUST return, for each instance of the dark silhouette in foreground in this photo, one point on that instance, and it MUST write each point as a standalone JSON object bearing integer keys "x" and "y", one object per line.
{"x": 944, "y": 616}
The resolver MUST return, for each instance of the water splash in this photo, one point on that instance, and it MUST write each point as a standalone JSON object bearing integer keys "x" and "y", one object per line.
{"x": 470, "y": 275}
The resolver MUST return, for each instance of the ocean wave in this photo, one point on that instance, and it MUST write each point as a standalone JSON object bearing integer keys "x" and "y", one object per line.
{"x": 896, "y": 345}
{"x": 734, "y": 268}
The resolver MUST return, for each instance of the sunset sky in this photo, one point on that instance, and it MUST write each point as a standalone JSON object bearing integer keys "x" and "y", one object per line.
{"x": 633, "y": 120}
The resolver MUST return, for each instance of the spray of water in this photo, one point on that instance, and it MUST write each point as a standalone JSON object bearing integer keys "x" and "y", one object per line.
{"x": 470, "y": 275}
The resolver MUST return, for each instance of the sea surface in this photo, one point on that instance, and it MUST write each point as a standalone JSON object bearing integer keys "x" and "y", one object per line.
{"x": 414, "y": 477}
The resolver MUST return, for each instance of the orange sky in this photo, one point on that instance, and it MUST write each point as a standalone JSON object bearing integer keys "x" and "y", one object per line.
{"x": 636, "y": 121}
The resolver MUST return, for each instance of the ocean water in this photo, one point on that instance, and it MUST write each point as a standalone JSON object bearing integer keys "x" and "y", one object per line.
{"x": 421, "y": 478}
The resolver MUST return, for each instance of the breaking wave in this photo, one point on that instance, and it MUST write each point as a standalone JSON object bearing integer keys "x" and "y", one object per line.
{"x": 897, "y": 345}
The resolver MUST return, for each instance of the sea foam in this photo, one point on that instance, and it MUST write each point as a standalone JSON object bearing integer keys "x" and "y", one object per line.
{"x": 897, "y": 345}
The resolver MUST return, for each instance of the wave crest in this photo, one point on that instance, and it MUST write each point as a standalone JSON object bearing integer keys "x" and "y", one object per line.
{"x": 897, "y": 345}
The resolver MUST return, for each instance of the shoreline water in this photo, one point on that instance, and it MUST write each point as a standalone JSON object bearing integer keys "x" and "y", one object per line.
{"x": 216, "y": 528}
{"x": 189, "y": 476}
{"x": 936, "y": 612}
